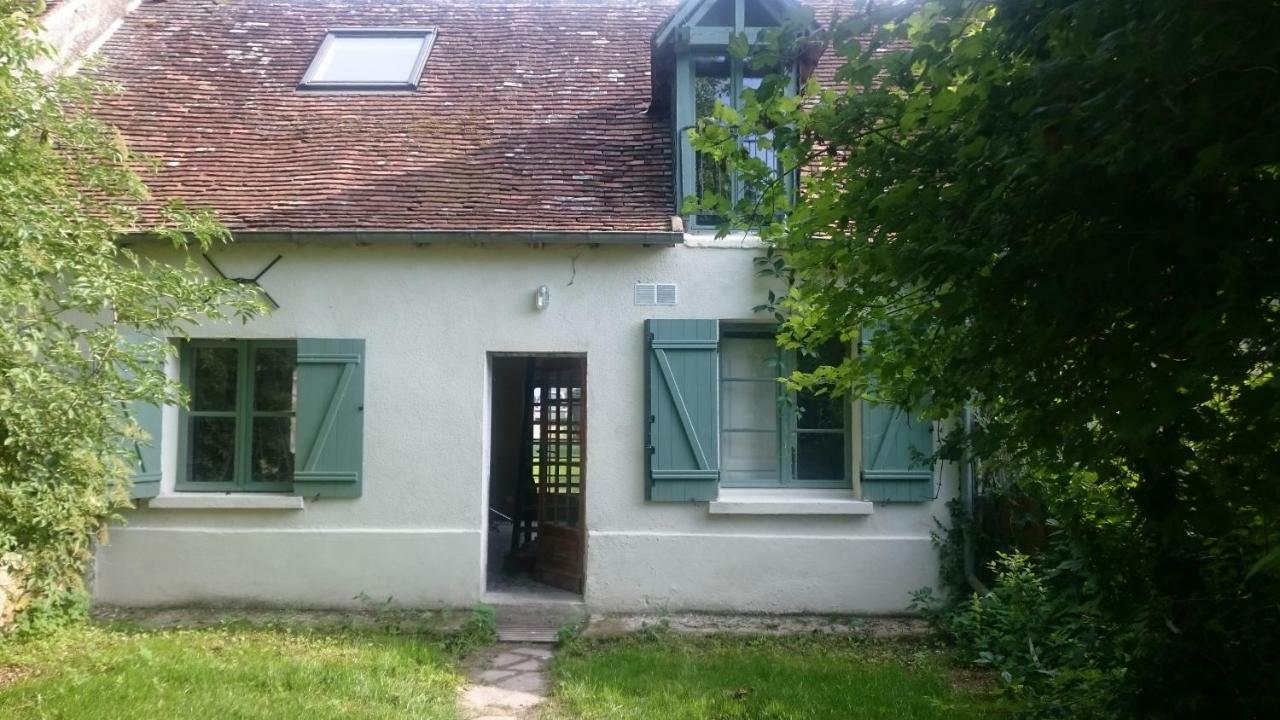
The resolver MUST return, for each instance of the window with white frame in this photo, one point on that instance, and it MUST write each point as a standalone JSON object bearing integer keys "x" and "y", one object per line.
{"x": 369, "y": 59}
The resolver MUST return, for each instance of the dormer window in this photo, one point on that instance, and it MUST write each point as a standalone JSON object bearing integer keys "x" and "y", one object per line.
{"x": 719, "y": 79}
{"x": 369, "y": 59}
{"x": 692, "y": 49}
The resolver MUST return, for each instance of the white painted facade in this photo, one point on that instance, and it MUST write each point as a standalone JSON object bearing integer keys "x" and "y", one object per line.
{"x": 75, "y": 29}
{"x": 430, "y": 317}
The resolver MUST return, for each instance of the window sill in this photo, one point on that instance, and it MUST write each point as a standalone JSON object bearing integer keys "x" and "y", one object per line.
{"x": 787, "y": 501}
{"x": 226, "y": 501}
{"x": 699, "y": 237}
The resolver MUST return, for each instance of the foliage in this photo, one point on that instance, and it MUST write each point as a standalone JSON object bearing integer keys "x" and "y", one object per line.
{"x": 1063, "y": 212}
{"x": 568, "y": 634}
{"x": 71, "y": 300}
{"x": 1056, "y": 653}
{"x": 731, "y": 677}
{"x": 228, "y": 671}
{"x": 479, "y": 630}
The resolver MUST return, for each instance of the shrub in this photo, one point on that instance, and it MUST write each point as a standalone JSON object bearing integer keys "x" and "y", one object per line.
{"x": 73, "y": 303}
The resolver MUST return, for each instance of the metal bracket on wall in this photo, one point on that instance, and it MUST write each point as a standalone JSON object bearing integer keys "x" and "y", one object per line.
{"x": 248, "y": 280}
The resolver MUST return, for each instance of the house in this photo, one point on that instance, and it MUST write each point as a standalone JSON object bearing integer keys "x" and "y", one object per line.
{"x": 501, "y": 364}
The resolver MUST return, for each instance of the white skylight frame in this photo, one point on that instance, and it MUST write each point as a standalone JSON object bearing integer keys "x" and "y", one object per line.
{"x": 311, "y": 80}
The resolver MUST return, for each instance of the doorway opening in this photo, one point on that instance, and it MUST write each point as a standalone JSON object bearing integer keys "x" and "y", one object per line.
{"x": 537, "y": 466}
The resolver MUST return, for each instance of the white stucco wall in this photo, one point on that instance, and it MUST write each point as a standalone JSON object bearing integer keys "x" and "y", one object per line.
{"x": 75, "y": 29}
{"x": 430, "y": 317}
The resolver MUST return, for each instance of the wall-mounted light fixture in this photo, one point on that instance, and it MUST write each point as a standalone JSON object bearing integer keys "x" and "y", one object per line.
{"x": 542, "y": 297}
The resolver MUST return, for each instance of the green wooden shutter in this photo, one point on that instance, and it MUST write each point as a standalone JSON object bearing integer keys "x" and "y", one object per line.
{"x": 895, "y": 452}
{"x": 893, "y": 444}
{"x": 145, "y": 482}
{"x": 330, "y": 418}
{"x": 682, "y": 409}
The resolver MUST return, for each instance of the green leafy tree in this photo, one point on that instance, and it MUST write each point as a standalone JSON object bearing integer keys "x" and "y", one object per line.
{"x": 1068, "y": 214}
{"x": 74, "y": 305}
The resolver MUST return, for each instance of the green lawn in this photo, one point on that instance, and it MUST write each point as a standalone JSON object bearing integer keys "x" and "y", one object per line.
{"x": 731, "y": 678}
{"x": 238, "y": 671}
{"x": 228, "y": 673}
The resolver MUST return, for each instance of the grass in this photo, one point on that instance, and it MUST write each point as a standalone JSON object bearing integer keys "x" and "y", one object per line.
{"x": 239, "y": 671}
{"x": 229, "y": 673}
{"x": 755, "y": 678}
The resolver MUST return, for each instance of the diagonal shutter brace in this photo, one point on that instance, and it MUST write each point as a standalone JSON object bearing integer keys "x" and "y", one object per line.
{"x": 248, "y": 280}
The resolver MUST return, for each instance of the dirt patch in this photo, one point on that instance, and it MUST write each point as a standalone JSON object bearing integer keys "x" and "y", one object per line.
{"x": 602, "y": 626}
{"x": 10, "y": 674}
{"x": 415, "y": 621}
{"x": 972, "y": 680}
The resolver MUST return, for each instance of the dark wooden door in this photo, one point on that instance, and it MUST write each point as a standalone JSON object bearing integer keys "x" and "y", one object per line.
{"x": 558, "y": 394}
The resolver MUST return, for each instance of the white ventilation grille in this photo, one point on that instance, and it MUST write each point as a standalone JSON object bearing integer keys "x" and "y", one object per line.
{"x": 655, "y": 293}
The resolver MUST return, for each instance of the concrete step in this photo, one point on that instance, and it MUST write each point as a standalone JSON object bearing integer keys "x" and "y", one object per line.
{"x": 535, "y": 622}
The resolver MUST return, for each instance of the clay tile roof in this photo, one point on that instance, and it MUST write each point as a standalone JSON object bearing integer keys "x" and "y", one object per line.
{"x": 531, "y": 115}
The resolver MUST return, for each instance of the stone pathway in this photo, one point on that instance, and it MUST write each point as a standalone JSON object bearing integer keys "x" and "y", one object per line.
{"x": 509, "y": 684}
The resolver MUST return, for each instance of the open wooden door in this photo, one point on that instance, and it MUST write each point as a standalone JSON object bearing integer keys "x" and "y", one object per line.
{"x": 558, "y": 395}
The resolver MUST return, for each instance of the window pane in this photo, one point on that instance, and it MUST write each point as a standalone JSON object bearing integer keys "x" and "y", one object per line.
{"x": 819, "y": 412}
{"x": 832, "y": 352}
{"x": 719, "y": 15}
{"x": 758, "y": 146}
{"x": 711, "y": 84}
{"x": 749, "y": 458}
{"x": 749, "y": 358}
{"x": 273, "y": 378}
{"x": 353, "y": 59}
{"x": 749, "y": 405}
{"x": 272, "y": 449}
{"x": 213, "y": 449}
{"x": 820, "y": 456}
{"x": 213, "y": 381}
{"x": 755, "y": 15}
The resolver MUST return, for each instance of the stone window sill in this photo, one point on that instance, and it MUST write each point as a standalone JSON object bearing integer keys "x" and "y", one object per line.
{"x": 750, "y": 501}
{"x": 706, "y": 238}
{"x": 225, "y": 501}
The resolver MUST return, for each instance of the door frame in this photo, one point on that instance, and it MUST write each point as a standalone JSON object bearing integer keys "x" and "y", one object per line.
{"x": 488, "y": 455}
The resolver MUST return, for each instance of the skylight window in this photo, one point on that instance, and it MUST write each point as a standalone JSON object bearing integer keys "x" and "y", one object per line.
{"x": 369, "y": 59}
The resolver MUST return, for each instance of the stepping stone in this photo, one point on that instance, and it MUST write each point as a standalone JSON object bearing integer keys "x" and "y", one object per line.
{"x": 493, "y": 676}
{"x": 530, "y": 683}
{"x": 507, "y": 658}
{"x": 488, "y": 700}
{"x": 507, "y": 685}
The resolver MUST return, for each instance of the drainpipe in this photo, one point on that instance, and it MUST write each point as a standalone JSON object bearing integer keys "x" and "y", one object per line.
{"x": 968, "y": 492}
